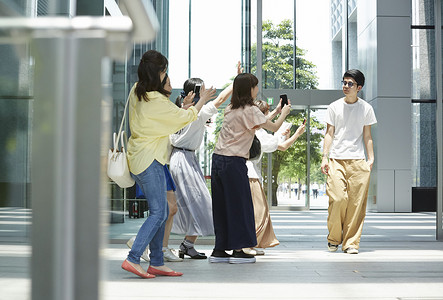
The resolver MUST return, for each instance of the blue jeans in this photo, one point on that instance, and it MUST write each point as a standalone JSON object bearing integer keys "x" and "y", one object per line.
{"x": 153, "y": 184}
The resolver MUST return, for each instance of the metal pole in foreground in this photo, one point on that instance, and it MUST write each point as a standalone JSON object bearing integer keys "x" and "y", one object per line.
{"x": 70, "y": 140}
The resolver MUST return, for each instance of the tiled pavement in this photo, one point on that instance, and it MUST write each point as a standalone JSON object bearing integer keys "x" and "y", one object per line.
{"x": 399, "y": 259}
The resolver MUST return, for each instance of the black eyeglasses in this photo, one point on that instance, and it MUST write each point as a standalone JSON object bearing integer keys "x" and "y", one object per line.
{"x": 349, "y": 83}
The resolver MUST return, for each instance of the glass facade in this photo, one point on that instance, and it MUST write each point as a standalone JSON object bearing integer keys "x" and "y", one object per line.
{"x": 344, "y": 41}
{"x": 439, "y": 220}
{"x": 424, "y": 169}
{"x": 16, "y": 111}
{"x": 208, "y": 46}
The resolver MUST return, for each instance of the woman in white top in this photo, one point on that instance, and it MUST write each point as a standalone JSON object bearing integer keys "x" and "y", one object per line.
{"x": 269, "y": 143}
{"x": 194, "y": 215}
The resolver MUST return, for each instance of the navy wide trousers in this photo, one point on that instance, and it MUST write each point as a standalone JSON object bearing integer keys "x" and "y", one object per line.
{"x": 232, "y": 207}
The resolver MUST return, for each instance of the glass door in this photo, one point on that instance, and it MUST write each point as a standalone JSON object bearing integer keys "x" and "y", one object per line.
{"x": 289, "y": 169}
{"x": 292, "y": 188}
{"x": 317, "y": 180}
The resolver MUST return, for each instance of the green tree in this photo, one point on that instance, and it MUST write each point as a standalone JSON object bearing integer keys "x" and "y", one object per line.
{"x": 278, "y": 73}
{"x": 278, "y": 59}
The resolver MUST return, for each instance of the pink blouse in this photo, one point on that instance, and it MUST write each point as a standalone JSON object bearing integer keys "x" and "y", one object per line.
{"x": 238, "y": 130}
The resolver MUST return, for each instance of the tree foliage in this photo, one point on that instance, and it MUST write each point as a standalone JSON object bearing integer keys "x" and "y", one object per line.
{"x": 278, "y": 72}
{"x": 278, "y": 59}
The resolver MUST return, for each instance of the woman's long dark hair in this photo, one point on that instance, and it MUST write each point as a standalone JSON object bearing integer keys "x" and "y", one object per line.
{"x": 188, "y": 86}
{"x": 151, "y": 64}
{"x": 241, "y": 90}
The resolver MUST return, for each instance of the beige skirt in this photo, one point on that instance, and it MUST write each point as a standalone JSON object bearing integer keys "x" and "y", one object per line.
{"x": 263, "y": 225}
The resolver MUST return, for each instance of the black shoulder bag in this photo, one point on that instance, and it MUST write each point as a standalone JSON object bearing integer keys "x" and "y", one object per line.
{"x": 255, "y": 150}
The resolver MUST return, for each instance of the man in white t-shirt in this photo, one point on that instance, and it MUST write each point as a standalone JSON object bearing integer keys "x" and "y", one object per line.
{"x": 348, "y": 132}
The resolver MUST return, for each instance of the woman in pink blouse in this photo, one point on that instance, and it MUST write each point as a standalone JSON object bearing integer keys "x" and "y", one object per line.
{"x": 232, "y": 208}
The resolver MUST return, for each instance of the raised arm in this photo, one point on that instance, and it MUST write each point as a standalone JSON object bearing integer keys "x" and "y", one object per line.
{"x": 226, "y": 93}
{"x": 205, "y": 96}
{"x": 288, "y": 142}
{"x": 223, "y": 96}
{"x": 275, "y": 112}
{"x": 274, "y": 126}
{"x": 367, "y": 136}
{"x": 329, "y": 135}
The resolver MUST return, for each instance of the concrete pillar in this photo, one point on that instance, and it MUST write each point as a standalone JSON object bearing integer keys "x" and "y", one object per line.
{"x": 384, "y": 56}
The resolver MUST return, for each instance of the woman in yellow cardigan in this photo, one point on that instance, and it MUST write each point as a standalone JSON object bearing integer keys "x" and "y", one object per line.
{"x": 152, "y": 118}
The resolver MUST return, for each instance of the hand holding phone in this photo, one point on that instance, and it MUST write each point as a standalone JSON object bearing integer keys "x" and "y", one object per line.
{"x": 301, "y": 129}
{"x": 197, "y": 88}
{"x": 284, "y": 100}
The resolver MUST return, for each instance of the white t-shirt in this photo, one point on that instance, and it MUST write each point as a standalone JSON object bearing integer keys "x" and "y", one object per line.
{"x": 349, "y": 120}
{"x": 269, "y": 143}
{"x": 191, "y": 136}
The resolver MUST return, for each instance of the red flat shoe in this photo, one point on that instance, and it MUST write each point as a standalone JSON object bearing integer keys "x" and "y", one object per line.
{"x": 163, "y": 273}
{"x": 128, "y": 267}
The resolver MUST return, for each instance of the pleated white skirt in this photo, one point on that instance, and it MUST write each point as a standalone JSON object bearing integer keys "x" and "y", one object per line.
{"x": 194, "y": 215}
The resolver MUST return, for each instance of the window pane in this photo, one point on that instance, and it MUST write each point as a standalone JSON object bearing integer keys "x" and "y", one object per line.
{"x": 178, "y": 42}
{"x": 313, "y": 42}
{"x": 423, "y": 62}
{"x": 422, "y": 12}
{"x": 278, "y": 41}
{"x": 424, "y": 168}
{"x": 352, "y": 36}
{"x": 215, "y": 41}
{"x": 352, "y": 5}
{"x": 14, "y": 163}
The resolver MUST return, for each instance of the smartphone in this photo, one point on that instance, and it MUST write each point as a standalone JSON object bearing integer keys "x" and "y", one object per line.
{"x": 304, "y": 121}
{"x": 284, "y": 100}
{"x": 197, "y": 88}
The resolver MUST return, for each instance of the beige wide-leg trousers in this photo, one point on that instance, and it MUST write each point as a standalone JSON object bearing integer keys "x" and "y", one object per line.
{"x": 263, "y": 224}
{"x": 347, "y": 188}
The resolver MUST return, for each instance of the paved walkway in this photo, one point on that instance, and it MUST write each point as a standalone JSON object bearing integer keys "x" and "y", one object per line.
{"x": 399, "y": 259}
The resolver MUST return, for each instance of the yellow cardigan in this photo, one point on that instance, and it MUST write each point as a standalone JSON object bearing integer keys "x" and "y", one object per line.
{"x": 151, "y": 123}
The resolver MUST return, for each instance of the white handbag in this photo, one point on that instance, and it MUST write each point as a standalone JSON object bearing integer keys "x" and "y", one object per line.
{"x": 118, "y": 169}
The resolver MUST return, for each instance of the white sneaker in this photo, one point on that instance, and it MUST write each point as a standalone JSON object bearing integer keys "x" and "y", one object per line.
{"x": 250, "y": 251}
{"x": 130, "y": 242}
{"x": 168, "y": 255}
{"x": 351, "y": 250}
{"x": 259, "y": 252}
{"x": 145, "y": 254}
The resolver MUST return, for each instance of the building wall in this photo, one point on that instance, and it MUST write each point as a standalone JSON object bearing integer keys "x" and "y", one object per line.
{"x": 384, "y": 54}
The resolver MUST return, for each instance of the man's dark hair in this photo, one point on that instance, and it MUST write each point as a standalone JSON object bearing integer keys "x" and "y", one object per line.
{"x": 357, "y": 75}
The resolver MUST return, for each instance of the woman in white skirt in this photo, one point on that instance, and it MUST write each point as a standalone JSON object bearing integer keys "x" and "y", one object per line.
{"x": 194, "y": 203}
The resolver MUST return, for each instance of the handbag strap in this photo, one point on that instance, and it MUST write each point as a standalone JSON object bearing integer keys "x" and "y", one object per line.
{"x": 125, "y": 138}
{"x": 120, "y": 134}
